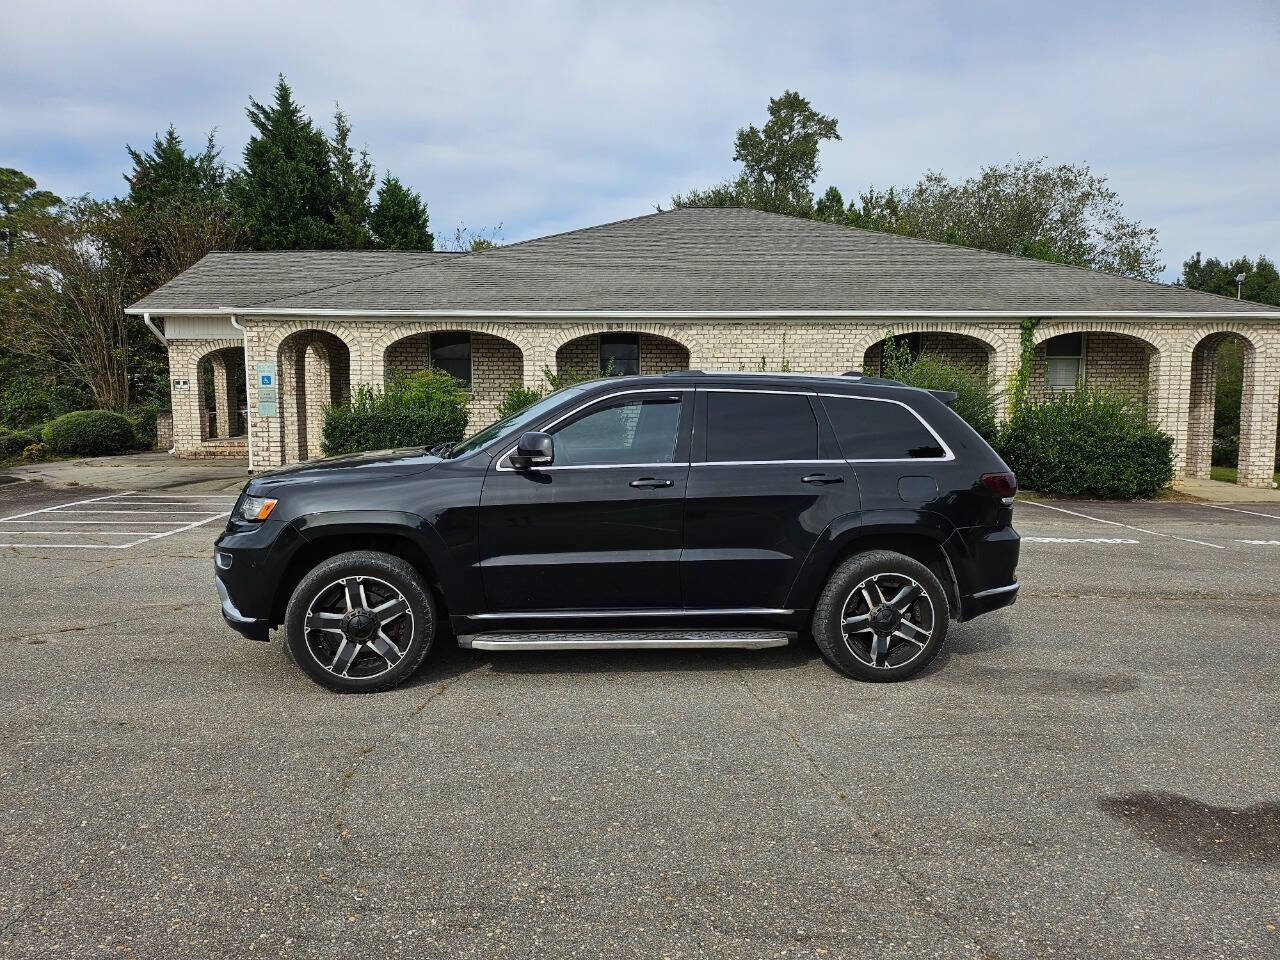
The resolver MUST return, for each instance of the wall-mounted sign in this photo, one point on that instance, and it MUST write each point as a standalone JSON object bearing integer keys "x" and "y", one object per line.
{"x": 181, "y": 386}
{"x": 268, "y": 401}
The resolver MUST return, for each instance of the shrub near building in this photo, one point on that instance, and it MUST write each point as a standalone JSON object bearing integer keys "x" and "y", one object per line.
{"x": 89, "y": 433}
{"x": 1088, "y": 443}
{"x": 416, "y": 410}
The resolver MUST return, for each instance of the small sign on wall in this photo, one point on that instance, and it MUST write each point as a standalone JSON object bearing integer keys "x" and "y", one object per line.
{"x": 268, "y": 401}
{"x": 182, "y": 385}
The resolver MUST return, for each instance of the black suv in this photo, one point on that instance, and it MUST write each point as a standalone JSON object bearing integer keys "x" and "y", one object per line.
{"x": 685, "y": 510}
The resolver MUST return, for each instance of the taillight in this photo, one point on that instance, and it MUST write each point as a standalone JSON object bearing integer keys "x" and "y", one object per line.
{"x": 1002, "y": 485}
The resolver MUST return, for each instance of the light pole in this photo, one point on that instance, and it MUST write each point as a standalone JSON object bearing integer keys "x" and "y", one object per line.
{"x": 1239, "y": 284}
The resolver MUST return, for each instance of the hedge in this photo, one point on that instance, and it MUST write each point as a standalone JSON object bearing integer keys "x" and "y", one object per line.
{"x": 13, "y": 442}
{"x": 1090, "y": 442}
{"x": 417, "y": 410}
{"x": 89, "y": 433}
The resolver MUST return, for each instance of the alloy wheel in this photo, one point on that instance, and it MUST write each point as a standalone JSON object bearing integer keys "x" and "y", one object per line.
{"x": 358, "y": 627}
{"x": 887, "y": 621}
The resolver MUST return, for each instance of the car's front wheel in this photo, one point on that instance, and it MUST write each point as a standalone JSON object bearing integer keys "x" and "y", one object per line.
{"x": 360, "y": 622}
{"x": 881, "y": 616}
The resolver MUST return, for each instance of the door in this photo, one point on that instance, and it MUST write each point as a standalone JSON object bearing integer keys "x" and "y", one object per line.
{"x": 600, "y": 528}
{"x": 764, "y": 483}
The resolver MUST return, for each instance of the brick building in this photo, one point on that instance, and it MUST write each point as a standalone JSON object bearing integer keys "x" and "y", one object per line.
{"x": 260, "y": 342}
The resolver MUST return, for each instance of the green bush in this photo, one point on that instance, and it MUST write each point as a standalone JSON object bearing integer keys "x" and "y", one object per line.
{"x": 416, "y": 410}
{"x": 88, "y": 433}
{"x": 975, "y": 401}
{"x": 1090, "y": 442}
{"x": 13, "y": 442}
{"x": 143, "y": 420}
{"x": 517, "y": 399}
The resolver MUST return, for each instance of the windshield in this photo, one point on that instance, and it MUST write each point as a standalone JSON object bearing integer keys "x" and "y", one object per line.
{"x": 512, "y": 424}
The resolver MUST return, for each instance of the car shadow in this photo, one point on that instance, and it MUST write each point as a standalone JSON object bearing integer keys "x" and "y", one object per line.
{"x": 448, "y": 660}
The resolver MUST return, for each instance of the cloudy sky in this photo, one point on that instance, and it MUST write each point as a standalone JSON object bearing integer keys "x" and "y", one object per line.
{"x": 549, "y": 116}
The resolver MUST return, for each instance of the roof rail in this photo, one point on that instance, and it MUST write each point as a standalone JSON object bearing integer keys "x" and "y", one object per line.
{"x": 852, "y": 373}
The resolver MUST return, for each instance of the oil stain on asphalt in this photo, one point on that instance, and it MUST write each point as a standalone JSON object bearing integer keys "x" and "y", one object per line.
{"x": 1227, "y": 836}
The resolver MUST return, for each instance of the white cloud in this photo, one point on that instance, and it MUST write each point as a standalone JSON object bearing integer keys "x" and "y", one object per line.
{"x": 547, "y": 116}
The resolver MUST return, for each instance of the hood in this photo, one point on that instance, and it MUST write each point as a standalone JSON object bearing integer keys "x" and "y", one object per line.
{"x": 352, "y": 466}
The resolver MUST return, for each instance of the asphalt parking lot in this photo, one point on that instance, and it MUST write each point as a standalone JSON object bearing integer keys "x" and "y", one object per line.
{"x": 1091, "y": 773}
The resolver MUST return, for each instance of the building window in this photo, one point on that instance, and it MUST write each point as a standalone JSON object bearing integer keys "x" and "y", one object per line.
{"x": 620, "y": 354}
{"x": 451, "y": 353}
{"x": 1064, "y": 361}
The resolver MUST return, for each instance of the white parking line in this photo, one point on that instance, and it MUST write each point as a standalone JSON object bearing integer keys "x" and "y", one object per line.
{"x": 1252, "y": 513}
{"x": 74, "y": 503}
{"x": 1261, "y": 543}
{"x": 1127, "y": 526}
{"x": 171, "y": 516}
{"x": 1078, "y": 540}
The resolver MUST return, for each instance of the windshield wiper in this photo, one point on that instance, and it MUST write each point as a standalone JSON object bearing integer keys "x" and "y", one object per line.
{"x": 440, "y": 449}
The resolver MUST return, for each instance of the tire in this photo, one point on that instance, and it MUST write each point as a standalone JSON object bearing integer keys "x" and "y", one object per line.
{"x": 881, "y": 644}
{"x": 360, "y": 622}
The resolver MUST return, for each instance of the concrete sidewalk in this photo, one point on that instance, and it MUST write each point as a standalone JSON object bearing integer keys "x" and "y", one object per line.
{"x": 1219, "y": 492}
{"x": 140, "y": 471}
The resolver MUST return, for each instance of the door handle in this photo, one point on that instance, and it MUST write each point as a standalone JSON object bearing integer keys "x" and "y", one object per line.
{"x": 652, "y": 482}
{"x": 821, "y": 478}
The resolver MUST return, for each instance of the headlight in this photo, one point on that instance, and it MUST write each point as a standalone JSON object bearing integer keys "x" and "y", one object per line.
{"x": 256, "y": 508}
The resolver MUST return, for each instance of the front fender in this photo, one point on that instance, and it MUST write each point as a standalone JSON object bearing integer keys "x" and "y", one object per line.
{"x": 390, "y": 523}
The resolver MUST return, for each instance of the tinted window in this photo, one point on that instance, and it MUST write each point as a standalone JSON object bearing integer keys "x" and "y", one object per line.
{"x": 624, "y": 430}
{"x": 876, "y": 430}
{"x": 620, "y": 354}
{"x": 451, "y": 352}
{"x": 760, "y": 426}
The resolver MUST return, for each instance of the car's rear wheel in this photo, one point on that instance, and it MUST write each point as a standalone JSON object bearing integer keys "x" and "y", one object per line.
{"x": 360, "y": 622}
{"x": 881, "y": 616}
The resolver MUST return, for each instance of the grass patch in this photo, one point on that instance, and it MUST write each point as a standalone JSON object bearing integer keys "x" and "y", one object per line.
{"x": 1229, "y": 474}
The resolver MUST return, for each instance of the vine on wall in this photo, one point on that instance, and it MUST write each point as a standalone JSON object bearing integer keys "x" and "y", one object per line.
{"x": 1026, "y": 360}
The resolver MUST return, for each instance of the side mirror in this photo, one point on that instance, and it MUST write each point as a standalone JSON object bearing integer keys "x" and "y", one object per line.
{"x": 534, "y": 450}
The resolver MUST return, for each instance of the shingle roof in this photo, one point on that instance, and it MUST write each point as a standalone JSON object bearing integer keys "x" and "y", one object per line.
{"x": 726, "y": 260}
{"x": 244, "y": 278}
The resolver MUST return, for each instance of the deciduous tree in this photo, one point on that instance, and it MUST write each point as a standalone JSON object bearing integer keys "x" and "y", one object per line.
{"x": 779, "y": 161}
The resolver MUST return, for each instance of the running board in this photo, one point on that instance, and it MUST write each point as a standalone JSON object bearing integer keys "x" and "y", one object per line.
{"x": 628, "y": 640}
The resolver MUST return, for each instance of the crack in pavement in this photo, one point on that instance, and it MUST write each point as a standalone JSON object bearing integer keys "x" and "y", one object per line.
{"x": 350, "y": 774}
{"x": 81, "y": 627}
{"x": 774, "y": 715}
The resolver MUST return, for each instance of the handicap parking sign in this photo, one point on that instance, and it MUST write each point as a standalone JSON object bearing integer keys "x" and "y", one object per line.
{"x": 265, "y": 380}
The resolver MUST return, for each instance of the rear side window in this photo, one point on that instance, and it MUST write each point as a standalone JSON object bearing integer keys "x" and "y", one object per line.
{"x": 880, "y": 430}
{"x": 748, "y": 427}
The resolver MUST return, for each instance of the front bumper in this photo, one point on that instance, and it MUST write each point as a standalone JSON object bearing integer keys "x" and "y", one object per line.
{"x": 249, "y": 627}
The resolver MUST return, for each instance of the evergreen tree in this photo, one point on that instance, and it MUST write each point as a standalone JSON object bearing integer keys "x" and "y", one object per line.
{"x": 353, "y": 180}
{"x": 168, "y": 172}
{"x": 286, "y": 193}
{"x": 399, "y": 219}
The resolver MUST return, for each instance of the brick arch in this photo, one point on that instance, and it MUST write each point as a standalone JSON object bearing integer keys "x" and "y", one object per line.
{"x": 659, "y": 353}
{"x": 993, "y": 340}
{"x": 578, "y": 330}
{"x": 1153, "y": 338}
{"x": 991, "y": 346}
{"x": 313, "y": 370}
{"x": 401, "y": 331}
{"x": 282, "y": 331}
{"x": 1254, "y": 337}
{"x": 1258, "y": 400}
{"x": 498, "y": 355}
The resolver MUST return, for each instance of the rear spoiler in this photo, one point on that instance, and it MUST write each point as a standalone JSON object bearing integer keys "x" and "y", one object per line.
{"x": 946, "y": 396}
